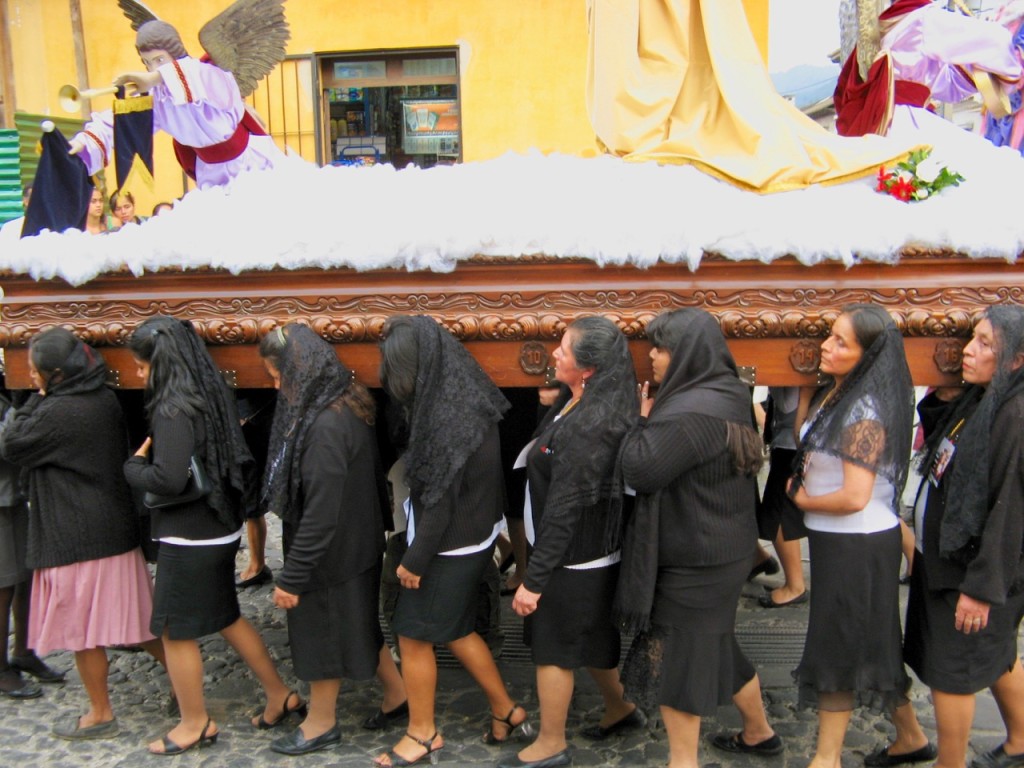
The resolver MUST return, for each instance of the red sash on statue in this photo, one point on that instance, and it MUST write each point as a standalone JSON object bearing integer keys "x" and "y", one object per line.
{"x": 223, "y": 152}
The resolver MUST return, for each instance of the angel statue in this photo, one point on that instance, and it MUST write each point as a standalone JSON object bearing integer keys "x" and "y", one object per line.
{"x": 199, "y": 102}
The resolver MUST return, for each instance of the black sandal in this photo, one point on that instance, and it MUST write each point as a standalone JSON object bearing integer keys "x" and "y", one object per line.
{"x": 397, "y": 761}
{"x": 170, "y": 748}
{"x": 523, "y": 727}
{"x": 301, "y": 710}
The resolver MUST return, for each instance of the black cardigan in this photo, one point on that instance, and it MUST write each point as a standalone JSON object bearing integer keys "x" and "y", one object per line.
{"x": 340, "y": 533}
{"x": 467, "y": 512}
{"x": 165, "y": 473}
{"x": 73, "y": 447}
{"x": 998, "y": 568}
{"x": 708, "y": 511}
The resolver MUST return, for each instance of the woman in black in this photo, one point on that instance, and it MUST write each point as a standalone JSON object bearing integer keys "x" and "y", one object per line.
{"x": 693, "y": 460}
{"x": 574, "y": 524}
{"x": 457, "y": 499}
{"x": 324, "y": 480}
{"x": 192, "y": 412}
{"x": 967, "y": 583}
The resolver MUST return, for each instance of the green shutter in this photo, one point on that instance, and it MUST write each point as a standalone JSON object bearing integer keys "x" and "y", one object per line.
{"x": 10, "y": 176}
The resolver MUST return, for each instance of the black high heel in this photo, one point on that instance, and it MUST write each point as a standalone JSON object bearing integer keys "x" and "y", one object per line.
{"x": 170, "y": 748}
{"x": 523, "y": 727}
{"x": 302, "y": 710}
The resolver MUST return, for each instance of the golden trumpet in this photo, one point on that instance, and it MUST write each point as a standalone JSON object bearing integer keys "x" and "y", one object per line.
{"x": 71, "y": 98}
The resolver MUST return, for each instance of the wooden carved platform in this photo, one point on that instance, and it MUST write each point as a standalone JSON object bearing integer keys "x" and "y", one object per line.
{"x": 511, "y": 313}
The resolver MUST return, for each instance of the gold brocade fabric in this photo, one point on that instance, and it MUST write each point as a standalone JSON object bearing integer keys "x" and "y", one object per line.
{"x": 682, "y": 81}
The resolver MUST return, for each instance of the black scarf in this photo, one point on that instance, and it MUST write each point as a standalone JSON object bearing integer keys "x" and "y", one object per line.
{"x": 228, "y": 461}
{"x": 701, "y": 378}
{"x": 879, "y": 390}
{"x": 312, "y": 378}
{"x": 453, "y": 407}
{"x": 967, "y": 500}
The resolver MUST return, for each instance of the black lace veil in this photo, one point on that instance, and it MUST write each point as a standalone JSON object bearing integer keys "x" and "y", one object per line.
{"x": 84, "y": 370}
{"x": 312, "y": 378}
{"x": 967, "y": 500}
{"x": 868, "y": 419}
{"x": 452, "y": 407}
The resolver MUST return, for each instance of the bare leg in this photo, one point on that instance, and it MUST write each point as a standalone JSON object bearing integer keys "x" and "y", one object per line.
{"x": 155, "y": 649}
{"x": 419, "y": 670}
{"x": 907, "y": 544}
{"x": 954, "y": 714}
{"x": 517, "y": 535}
{"x": 909, "y": 736}
{"x": 323, "y": 702}
{"x": 831, "y": 733}
{"x": 1009, "y": 695}
{"x": 792, "y": 567}
{"x": 751, "y": 708}
{"x": 256, "y": 535}
{"x": 473, "y": 653}
{"x": 185, "y": 668}
{"x": 554, "y": 691}
{"x": 92, "y": 668}
{"x": 615, "y": 707}
{"x": 683, "y": 731}
{"x": 249, "y": 645}
{"x": 390, "y": 680}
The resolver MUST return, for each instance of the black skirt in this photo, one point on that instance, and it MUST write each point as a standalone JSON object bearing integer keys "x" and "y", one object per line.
{"x": 443, "y": 609}
{"x": 776, "y": 509}
{"x": 948, "y": 660}
{"x": 572, "y": 625}
{"x": 853, "y": 656}
{"x": 195, "y": 592}
{"x": 335, "y": 632}
{"x": 689, "y": 660}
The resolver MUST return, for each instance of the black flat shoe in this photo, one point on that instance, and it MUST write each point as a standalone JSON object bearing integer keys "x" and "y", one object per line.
{"x": 634, "y": 719}
{"x": 263, "y": 576}
{"x": 170, "y": 748}
{"x": 381, "y": 719}
{"x": 997, "y": 758}
{"x": 767, "y": 601}
{"x": 297, "y": 744}
{"x": 556, "y": 760}
{"x": 881, "y": 758}
{"x": 36, "y": 667}
{"x": 299, "y": 709}
{"x": 13, "y": 687}
{"x": 734, "y": 743}
{"x": 769, "y": 567}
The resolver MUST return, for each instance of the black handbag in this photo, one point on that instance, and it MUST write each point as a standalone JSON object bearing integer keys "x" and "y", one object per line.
{"x": 198, "y": 486}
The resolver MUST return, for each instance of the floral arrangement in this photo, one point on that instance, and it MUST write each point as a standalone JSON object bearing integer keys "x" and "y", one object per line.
{"x": 917, "y": 178}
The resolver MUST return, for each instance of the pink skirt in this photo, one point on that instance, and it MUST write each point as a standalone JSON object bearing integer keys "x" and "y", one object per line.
{"x": 92, "y": 604}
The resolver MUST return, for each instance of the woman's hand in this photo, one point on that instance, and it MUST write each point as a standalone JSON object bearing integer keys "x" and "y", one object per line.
{"x": 525, "y": 601}
{"x": 799, "y": 498}
{"x": 142, "y": 82}
{"x": 284, "y": 599}
{"x": 144, "y": 448}
{"x": 646, "y": 401}
{"x": 971, "y": 614}
{"x": 407, "y": 578}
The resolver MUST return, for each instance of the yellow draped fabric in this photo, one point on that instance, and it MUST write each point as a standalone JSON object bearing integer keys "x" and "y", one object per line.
{"x": 682, "y": 81}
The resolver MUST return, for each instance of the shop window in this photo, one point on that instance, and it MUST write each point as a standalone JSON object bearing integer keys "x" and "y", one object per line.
{"x": 400, "y": 108}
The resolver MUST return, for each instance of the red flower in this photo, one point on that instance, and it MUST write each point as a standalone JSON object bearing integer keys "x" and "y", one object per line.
{"x": 902, "y": 189}
{"x": 883, "y": 179}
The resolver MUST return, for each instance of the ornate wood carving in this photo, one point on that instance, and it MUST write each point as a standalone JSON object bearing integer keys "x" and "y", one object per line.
{"x": 949, "y": 355}
{"x": 804, "y": 356}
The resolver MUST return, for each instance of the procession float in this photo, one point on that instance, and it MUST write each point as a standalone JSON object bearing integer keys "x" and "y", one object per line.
{"x": 711, "y": 191}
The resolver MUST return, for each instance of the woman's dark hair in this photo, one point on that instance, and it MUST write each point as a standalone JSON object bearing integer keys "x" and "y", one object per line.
{"x": 869, "y": 321}
{"x": 48, "y": 351}
{"x": 596, "y": 343}
{"x": 398, "y": 359}
{"x": 356, "y": 396}
{"x": 171, "y": 388}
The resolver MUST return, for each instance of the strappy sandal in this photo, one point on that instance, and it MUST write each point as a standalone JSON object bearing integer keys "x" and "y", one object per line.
{"x": 301, "y": 709}
{"x": 523, "y": 727}
{"x": 205, "y": 739}
{"x": 397, "y": 761}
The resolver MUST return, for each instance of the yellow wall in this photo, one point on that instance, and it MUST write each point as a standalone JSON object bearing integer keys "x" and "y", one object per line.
{"x": 522, "y": 62}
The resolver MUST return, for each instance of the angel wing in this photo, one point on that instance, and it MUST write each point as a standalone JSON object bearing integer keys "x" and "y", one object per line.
{"x": 247, "y": 39}
{"x": 137, "y": 13}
